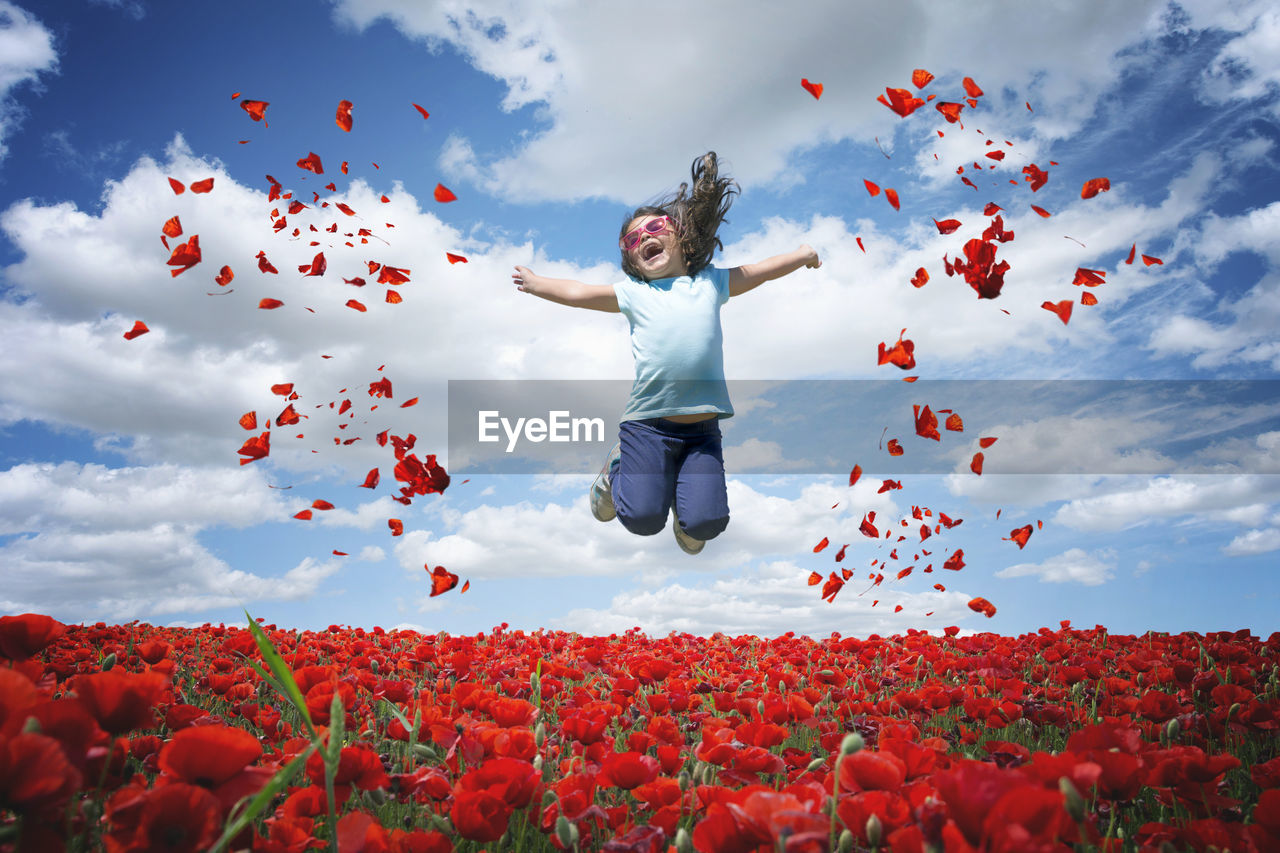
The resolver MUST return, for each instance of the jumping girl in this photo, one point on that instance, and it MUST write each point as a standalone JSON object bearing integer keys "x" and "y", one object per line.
{"x": 668, "y": 455}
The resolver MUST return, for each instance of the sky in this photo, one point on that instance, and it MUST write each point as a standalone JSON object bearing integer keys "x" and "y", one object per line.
{"x": 1140, "y": 440}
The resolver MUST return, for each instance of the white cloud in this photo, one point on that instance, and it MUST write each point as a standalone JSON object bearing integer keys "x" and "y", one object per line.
{"x": 1072, "y": 566}
{"x": 95, "y": 542}
{"x": 26, "y": 51}
{"x": 1248, "y": 65}
{"x": 1254, "y": 542}
{"x": 1200, "y": 497}
{"x": 766, "y": 599}
{"x": 527, "y": 539}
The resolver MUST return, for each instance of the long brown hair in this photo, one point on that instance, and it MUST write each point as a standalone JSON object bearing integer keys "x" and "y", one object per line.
{"x": 698, "y": 214}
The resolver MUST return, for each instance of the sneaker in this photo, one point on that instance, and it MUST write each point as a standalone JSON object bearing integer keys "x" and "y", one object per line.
{"x": 686, "y": 542}
{"x": 602, "y": 489}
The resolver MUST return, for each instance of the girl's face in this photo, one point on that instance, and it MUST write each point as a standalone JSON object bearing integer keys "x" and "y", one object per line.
{"x": 656, "y": 255}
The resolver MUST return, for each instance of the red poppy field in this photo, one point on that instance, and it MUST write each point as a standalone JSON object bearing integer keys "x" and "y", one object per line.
{"x": 135, "y": 737}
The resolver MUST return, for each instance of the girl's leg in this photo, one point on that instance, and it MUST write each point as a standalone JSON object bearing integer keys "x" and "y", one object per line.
{"x": 701, "y": 499}
{"x": 645, "y": 478}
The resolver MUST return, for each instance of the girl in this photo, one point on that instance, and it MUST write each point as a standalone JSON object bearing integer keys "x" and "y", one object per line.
{"x": 668, "y": 455}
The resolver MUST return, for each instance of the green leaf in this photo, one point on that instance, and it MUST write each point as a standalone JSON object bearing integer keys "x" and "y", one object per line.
{"x": 281, "y": 671}
{"x": 262, "y": 799}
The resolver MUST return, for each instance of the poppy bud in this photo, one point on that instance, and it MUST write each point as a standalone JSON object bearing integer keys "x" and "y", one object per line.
{"x": 32, "y": 726}
{"x": 852, "y": 743}
{"x": 874, "y": 831}
{"x": 373, "y": 666}
{"x": 565, "y": 831}
{"x": 760, "y": 707}
{"x": 377, "y": 795}
{"x": 846, "y": 842}
{"x": 744, "y": 685}
{"x": 537, "y": 763}
{"x": 684, "y": 843}
{"x": 684, "y": 779}
{"x": 1231, "y": 712}
{"x": 109, "y": 661}
{"x": 540, "y": 735}
{"x": 1072, "y": 801}
{"x": 815, "y": 764}
{"x": 782, "y": 686}
{"x": 1173, "y": 729}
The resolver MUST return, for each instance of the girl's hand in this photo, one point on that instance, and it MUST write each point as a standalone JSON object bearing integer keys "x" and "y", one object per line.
{"x": 810, "y": 257}
{"x": 525, "y": 280}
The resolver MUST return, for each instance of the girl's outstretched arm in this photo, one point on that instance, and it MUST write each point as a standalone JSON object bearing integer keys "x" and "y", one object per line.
{"x": 566, "y": 291}
{"x": 747, "y": 276}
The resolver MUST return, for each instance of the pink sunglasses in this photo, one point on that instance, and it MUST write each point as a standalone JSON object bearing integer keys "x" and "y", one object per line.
{"x": 653, "y": 226}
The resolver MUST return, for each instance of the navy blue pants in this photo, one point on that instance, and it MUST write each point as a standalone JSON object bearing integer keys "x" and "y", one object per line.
{"x": 664, "y": 461}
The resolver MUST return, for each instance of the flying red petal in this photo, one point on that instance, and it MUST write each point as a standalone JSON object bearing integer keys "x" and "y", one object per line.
{"x": 901, "y": 354}
{"x": 868, "y": 527}
{"x": 971, "y": 88}
{"x": 986, "y": 442}
{"x": 396, "y": 525}
{"x": 394, "y": 298}
{"x": 255, "y": 448}
{"x": 964, "y": 180}
{"x": 202, "y": 186}
{"x": 425, "y": 114}
{"x": 1062, "y": 309}
{"x": 1035, "y": 176}
{"x": 371, "y": 479}
{"x": 950, "y": 110}
{"x": 995, "y": 155}
{"x": 1088, "y": 277}
{"x": 178, "y": 187}
{"x": 872, "y": 188}
{"x": 860, "y": 246}
{"x": 814, "y": 89}
{"x": 1088, "y": 298}
{"x": 1149, "y": 260}
{"x": 317, "y": 266}
{"x": 139, "y": 328}
{"x": 991, "y": 209}
{"x": 900, "y": 101}
{"x": 981, "y": 605}
{"x": 443, "y": 194}
{"x": 948, "y": 522}
{"x": 466, "y": 585}
{"x": 321, "y": 504}
{"x": 814, "y": 578}
{"x": 824, "y": 543}
{"x": 392, "y": 275}
{"x": 257, "y": 110}
{"x": 888, "y": 486}
{"x": 1040, "y": 210}
{"x": 172, "y": 227}
{"x": 268, "y": 304}
{"x": 1093, "y": 186}
{"x": 288, "y": 416}
{"x": 1020, "y": 536}
{"x": 284, "y": 389}
{"x": 185, "y": 256}
{"x": 926, "y": 422}
{"x": 345, "y": 209}
{"x": 343, "y": 118}
{"x": 304, "y": 515}
{"x": 249, "y": 420}
{"x": 921, "y": 278}
{"x": 954, "y": 423}
{"x": 224, "y": 276}
{"x": 412, "y": 401}
{"x": 956, "y": 561}
{"x": 948, "y": 226}
{"x": 975, "y": 464}
{"x": 311, "y": 163}
{"x": 855, "y": 474}
{"x": 840, "y": 553}
{"x": 356, "y": 305}
{"x": 1132, "y": 251}
{"x": 264, "y": 264}
{"x": 920, "y": 78}
{"x": 442, "y": 580}
{"x": 894, "y": 447}
{"x": 455, "y": 259}
{"x": 891, "y": 195}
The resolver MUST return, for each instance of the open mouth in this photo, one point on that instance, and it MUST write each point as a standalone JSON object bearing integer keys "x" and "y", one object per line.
{"x": 650, "y": 251}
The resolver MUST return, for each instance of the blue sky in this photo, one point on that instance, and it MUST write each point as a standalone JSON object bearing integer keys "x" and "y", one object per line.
{"x": 120, "y": 493}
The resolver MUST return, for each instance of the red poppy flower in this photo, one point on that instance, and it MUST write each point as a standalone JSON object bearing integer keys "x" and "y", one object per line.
{"x": 479, "y": 815}
{"x": 627, "y": 770}
{"x": 26, "y": 635}
{"x": 209, "y": 755}
{"x": 121, "y": 701}
{"x": 176, "y": 817}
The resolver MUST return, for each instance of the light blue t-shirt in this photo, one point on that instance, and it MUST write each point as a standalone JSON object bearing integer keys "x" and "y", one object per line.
{"x": 677, "y": 344}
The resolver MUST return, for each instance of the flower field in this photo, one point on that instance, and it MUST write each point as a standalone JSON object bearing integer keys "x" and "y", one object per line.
{"x": 139, "y": 738}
